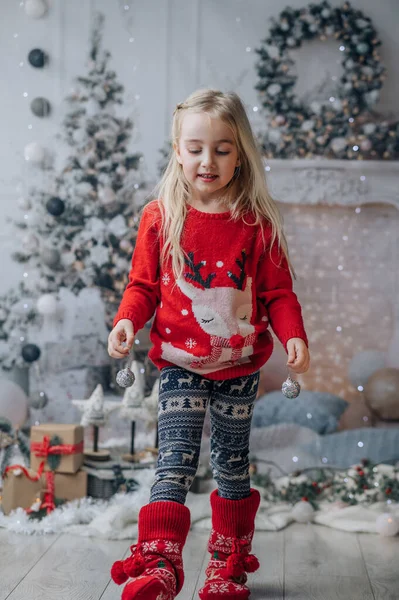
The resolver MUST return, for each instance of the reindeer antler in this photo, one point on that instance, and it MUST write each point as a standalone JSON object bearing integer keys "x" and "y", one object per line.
{"x": 206, "y": 283}
{"x": 239, "y": 281}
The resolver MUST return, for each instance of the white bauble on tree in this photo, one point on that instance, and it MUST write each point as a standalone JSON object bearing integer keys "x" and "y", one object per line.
{"x": 106, "y": 195}
{"x": 387, "y": 525}
{"x": 92, "y": 107}
{"x": 30, "y": 242}
{"x": 13, "y": 403}
{"x": 303, "y": 512}
{"x": 34, "y": 153}
{"x": 47, "y": 304}
{"x": 35, "y": 8}
{"x": 24, "y": 203}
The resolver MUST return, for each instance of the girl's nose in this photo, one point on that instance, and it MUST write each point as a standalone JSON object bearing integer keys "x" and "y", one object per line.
{"x": 207, "y": 159}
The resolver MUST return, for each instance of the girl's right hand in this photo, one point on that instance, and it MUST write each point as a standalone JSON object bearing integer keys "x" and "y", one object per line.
{"x": 121, "y": 338}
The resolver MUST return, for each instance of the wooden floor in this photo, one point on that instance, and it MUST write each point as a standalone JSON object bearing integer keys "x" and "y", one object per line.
{"x": 302, "y": 562}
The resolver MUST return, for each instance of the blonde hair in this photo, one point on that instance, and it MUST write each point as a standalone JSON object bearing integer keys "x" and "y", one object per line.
{"x": 249, "y": 179}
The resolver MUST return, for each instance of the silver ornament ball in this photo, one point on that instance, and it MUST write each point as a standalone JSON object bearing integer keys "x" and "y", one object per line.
{"x": 290, "y": 388}
{"x": 125, "y": 378}
{"x": 38, "y": 400}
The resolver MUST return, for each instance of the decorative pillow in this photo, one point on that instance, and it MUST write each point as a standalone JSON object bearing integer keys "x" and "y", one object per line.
{"x": 347, "y": 448}
{"x": 319, "y": 411}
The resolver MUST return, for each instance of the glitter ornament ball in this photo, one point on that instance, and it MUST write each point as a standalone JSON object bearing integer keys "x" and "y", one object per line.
{"x": 290, "y": 388}
{"x": 125, "y": 378}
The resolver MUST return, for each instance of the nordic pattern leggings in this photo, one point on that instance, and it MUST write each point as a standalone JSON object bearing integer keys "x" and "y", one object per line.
{"x": 183, "y": 400}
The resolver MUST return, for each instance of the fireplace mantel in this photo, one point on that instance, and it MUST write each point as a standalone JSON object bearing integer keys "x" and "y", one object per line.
{"x": 333, "y": 182}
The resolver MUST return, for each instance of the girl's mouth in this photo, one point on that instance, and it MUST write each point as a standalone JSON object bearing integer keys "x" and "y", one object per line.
{"x": 207, "y": 178}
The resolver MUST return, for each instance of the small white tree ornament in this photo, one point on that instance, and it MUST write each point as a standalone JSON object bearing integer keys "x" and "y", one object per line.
{"x": 95, "y": 412}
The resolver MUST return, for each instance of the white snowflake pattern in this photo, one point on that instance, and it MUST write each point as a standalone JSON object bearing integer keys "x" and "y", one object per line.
{"x": 191, "y": 343}
{"x": 219, "y": 587}
{"x": 173, "y": 547}
{"x": 184, "y": 312}
{"x": 223, "y": 540}
{"x": 166, "y": 279}
{"x": 150, "y": 546}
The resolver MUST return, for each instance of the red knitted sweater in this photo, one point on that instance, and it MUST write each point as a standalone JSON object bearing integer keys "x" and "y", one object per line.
{"x": 214, "y": 319}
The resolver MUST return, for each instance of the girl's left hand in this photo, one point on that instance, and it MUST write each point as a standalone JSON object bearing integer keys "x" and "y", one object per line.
{"x": 298, "y": 355}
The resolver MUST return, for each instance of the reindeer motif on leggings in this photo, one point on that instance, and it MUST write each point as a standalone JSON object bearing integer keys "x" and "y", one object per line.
{"x": 222, "y": 312}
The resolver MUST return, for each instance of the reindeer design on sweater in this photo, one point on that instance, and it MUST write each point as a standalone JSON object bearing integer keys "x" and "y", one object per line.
{"x": 222, "y": 312}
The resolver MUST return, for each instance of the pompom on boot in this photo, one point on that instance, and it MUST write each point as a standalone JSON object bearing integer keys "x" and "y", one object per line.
{"x": 154, "y": 571}
{"x": 233, "y": 523}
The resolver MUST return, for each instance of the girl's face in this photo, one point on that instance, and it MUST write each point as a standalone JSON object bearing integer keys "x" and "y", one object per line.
{"x": 208, "y": 154}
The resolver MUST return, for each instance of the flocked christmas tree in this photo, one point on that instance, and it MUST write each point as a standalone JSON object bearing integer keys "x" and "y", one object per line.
{"x": 80, "y": 231}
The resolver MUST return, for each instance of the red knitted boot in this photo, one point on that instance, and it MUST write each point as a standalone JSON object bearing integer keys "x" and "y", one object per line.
{"x": 233, "y": 523}
{"x": 155, "y": 565}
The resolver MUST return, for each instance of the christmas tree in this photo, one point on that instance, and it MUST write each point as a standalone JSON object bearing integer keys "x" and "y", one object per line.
{"x": 80, "y": 231}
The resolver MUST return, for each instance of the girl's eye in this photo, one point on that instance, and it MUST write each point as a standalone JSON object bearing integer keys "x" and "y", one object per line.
{"x": 207, "y": 321}
{"x": 244, "y": 318}
{"x": 217, "y": 152}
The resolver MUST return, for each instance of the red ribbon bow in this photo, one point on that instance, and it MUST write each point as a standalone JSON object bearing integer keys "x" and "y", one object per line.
{"x": 43, "y": 448}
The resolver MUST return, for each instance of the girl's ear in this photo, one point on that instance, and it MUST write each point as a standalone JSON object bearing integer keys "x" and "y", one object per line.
{"x": 177, "y": 153}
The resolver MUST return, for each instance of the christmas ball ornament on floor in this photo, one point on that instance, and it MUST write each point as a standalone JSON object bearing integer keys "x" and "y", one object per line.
{"x": 290, "y": 388}
{"x": 125, "y": 378}
{"x": 303, "y": 512}
{"x": 387, "y": 525}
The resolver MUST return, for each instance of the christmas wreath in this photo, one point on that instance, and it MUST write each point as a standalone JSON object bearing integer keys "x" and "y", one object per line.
{"x": 337, "y": 127}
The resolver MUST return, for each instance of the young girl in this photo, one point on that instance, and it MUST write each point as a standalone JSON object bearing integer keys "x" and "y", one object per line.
{"x": 211, "y": 262}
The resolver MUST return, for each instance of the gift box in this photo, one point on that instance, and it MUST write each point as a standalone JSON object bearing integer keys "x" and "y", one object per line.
{"x": 59, "y": 446}
{"x": 35, "y": 491}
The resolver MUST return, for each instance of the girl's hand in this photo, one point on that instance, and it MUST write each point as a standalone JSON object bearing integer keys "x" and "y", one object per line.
{"x": 298, "y": 355}
{"x": 121, "y": 338}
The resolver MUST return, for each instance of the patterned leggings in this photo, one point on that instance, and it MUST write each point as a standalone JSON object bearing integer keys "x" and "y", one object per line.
{"x": 183, "y": 400}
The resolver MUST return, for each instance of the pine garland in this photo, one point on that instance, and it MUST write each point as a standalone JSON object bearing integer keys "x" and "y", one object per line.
{"x": 362, "y": 484}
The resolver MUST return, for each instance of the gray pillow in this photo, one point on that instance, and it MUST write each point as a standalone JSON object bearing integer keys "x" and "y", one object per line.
{"x": 347, "y": 448}
{"x": 319, "y": 411}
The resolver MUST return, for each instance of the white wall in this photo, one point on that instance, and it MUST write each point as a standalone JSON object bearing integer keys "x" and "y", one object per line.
{"x": 179, "y": 45}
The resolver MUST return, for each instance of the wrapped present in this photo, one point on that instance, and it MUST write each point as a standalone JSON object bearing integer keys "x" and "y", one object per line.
{"x": 59, "y": 446}
{"x": 104, "y": 483}
{"x": 40, "y": 491}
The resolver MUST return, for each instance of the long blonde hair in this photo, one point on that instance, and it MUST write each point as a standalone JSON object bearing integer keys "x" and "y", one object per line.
{"x": 249, "y": 179}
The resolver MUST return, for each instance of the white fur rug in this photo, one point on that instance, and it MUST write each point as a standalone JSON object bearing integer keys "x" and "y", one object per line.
{"x": 117, "y": 518}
